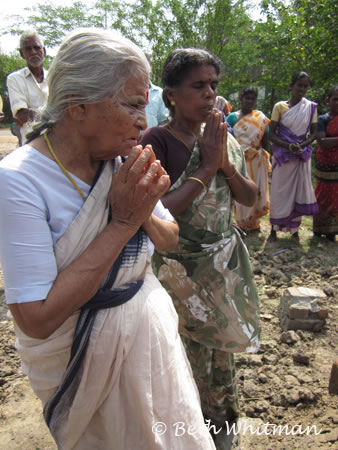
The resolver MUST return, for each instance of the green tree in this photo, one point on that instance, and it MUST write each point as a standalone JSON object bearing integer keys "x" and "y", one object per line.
{"x": 296, "y": 35}
{"x": 8, "y": 64}
{"x": 221, "y": 26}
{"x": 53, "y": 22}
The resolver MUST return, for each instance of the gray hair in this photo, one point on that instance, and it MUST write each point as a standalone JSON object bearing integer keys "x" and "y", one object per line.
{"x": 91, "y": 66}
{"x": 29, "y": 34}
{"x": 220, "y": 102}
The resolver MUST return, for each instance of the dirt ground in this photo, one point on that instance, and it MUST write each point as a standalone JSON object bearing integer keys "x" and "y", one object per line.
{"x": 274, "y": 385}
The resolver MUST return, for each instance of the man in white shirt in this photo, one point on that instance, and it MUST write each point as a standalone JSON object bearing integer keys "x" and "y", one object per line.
{"x": 27, "y": 87}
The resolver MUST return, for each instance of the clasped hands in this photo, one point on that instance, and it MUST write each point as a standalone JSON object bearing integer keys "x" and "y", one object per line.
{"x": 213, "y": 144}
{"x": 137, "y": 186}
{"x": 295, "y": 148}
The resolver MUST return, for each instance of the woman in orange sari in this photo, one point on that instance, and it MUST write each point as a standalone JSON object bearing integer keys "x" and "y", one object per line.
{"x": 326, "y": 221}
{"x": 249, "y": 127}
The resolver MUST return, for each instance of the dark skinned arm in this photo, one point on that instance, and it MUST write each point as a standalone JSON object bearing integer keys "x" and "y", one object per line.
{"x": 25, "y": 115}
{"x": 313, "y": 131}
{"x": 135, "y": 190}
{"x": 265, "y": 142}
{"x": 327, "y": 143}
{"x": 274, "y": 137}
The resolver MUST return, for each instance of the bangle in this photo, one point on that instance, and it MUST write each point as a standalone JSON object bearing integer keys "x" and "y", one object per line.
{"x": 199, "y": 181}
{"x": 229, "y": 178}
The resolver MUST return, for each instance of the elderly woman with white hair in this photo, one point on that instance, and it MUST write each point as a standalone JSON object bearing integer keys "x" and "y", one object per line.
{"x": 96, "y": 332}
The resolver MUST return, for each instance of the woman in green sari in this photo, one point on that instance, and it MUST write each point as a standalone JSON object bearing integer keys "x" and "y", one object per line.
{"x": 208, "y": 275}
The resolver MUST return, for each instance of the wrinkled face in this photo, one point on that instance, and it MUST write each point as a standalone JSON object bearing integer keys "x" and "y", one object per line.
{"x": 333, "y": 104}
{"x": 33, "y": 52}
{"x": 113, "y": 126}
{"x": 248, "y": 103}
{"x": 195, "y": 97}
{"x": 298, "y": 90}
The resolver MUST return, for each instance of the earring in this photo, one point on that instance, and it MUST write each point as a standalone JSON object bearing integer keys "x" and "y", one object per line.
{"x": 172, "y": 102}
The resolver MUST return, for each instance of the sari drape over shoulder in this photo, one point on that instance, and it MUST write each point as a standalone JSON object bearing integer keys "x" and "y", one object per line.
{"x": 293, "y": 127}
{"x": 209, "y": 276}
{"x": 292, "y": 194}
{"x": 249, "y": 131}
{"x": 134, "y": 373}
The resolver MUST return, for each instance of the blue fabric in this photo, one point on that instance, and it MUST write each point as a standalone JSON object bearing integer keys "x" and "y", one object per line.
{"x": 156, "y": 111}
{"x": 224, "y": 119}
{"x": 104, "y": 298}
{"x": 323, "y": 120}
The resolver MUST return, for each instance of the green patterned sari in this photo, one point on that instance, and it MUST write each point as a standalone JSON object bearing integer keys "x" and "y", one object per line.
{"x": 209, "y": 276}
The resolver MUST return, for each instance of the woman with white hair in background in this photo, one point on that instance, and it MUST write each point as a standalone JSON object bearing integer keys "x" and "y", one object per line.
{"x": 96, "y": 332}
{"x": 223, "y": 105}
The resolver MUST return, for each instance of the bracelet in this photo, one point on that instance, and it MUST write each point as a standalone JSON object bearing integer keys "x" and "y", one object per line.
{"x": 229, "y": 178}
{"x": 199, "y": 181}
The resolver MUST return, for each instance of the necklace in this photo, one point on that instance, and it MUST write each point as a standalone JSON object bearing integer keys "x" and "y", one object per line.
{"x": 64, "y": 170}
{"x": 180, "y": 139}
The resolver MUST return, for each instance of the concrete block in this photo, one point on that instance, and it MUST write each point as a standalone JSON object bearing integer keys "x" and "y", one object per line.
{"x": 300, "y": 309}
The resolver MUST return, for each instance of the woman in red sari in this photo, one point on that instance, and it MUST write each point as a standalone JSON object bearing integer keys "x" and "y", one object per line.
{"x": 326, "y": 221}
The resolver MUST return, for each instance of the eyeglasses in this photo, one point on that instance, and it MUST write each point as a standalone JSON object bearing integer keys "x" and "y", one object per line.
{"x": 37, "y": 48}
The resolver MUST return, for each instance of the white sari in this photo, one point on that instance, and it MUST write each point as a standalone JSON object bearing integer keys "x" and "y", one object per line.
{"x": 292, "y": 194}
{"x": 135, "y": 379}
{"x": 298, "y": 117}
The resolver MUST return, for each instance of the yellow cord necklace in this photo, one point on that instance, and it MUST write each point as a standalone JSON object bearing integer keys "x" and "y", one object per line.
{"x": 179, "y": 138}
{"x": 65, "y": 171}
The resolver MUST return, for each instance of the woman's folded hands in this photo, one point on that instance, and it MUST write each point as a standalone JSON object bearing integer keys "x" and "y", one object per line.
{"x": 136, "y": 187}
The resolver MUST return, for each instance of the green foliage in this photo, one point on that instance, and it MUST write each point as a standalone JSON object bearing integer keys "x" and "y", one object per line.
{"x": 293, "y": 36}
{"x": 8, "y": 63}
{"x": 301, "y": 36}
{"x": 53, "y": 22}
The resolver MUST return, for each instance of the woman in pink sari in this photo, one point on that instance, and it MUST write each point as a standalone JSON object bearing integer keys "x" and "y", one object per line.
{"x": 292, "y": 129}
